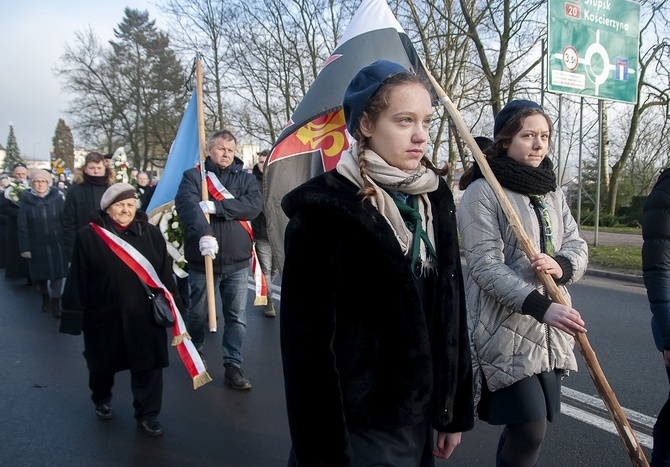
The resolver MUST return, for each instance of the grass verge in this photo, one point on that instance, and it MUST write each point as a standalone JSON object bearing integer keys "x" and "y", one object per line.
{"x": 620, "y": 258}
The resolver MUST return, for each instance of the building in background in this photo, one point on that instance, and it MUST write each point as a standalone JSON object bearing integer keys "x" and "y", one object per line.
{"x": 248, "y": 153}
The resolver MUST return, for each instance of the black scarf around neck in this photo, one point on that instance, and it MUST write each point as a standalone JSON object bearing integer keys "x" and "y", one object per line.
{"x": 96, "y": 180}
{"x": 522, "y": 178}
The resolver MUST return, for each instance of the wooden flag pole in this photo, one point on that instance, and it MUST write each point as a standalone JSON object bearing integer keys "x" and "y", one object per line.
{"x": 209, "y": 265}
{"x": 623, "y": 427}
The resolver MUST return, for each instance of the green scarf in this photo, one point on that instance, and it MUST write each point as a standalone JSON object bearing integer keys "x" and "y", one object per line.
{"x": 546, "y": 224}
{"x": 410, "y": 212}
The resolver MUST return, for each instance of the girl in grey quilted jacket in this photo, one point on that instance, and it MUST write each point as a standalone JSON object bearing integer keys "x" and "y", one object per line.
{"x": 521, "y": 341}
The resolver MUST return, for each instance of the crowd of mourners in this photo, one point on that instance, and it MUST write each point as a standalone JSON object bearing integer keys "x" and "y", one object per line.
{"x": 40, "y": 213}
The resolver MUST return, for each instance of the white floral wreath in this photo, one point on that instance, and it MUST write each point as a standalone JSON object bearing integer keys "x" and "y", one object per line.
{"x": 120, "y": 164}
{"x": 13, "y": 191}
{"x": 173, "y": 232}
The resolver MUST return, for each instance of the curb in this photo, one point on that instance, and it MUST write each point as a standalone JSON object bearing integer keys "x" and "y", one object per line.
{"x": 622, "y": 276}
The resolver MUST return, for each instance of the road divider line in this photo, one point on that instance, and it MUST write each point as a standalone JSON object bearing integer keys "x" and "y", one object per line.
{"x": 596, "y": 402}
{"x": 603, "y": 423}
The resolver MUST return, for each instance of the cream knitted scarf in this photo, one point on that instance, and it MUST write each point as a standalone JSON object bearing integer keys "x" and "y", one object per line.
{"x": 384, "y": 177}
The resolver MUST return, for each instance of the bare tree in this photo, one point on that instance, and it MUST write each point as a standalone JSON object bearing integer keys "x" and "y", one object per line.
{"x": 261, "y": 55}
{"x": 653, "y": 85}
{"x": 199, "y": 30}
{"x": 279, "y": 48}
{"x": 504, "y": 35}
{"x": 86, "y": 73}
{"x": 437, "y": 27}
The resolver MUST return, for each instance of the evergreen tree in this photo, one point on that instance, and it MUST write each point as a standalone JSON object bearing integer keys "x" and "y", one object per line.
{"x": 13, "y": 155}
{"x": 149, "y": 88}
{"x": 63, "y": 144}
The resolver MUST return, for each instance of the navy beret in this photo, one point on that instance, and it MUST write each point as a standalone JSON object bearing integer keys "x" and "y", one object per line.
{"x": 363, "y": 86}
{"x": 512, "y": 109}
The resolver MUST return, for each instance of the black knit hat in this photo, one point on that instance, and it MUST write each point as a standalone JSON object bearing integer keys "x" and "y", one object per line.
{"x": 511, "y": 110}
{"x": 483, "y": 142}
{"x": 361, "y": 88}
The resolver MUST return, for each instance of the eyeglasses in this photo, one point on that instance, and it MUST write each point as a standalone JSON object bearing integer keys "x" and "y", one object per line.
{"x": 40, "y": 181}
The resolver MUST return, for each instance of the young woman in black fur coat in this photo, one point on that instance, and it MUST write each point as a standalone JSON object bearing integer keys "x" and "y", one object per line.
{"x": 373, "y": 324}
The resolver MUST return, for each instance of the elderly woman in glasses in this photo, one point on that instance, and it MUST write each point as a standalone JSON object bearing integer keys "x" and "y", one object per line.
{"x": 40, "y": 236}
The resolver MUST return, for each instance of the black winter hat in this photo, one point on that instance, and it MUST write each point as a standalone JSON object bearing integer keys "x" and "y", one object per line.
{"x": 512, "y": 109}
{"x": 483, "y": 142}
{"x": 361, "y": 88}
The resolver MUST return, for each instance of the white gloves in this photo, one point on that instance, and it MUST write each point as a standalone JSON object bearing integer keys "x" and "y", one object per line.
{"x": 208, "y": 246}
{"x": 26, "y": 254}
{"x": 207, "y": 207}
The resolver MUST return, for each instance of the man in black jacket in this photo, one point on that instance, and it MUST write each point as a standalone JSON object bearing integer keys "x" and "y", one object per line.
{"x": 83, "y": 199}
{"x": 263, "y": 248}
{"x": 656, "y": 271}
{"x": 145, "y": 190}
{"x": 234, "y": 200}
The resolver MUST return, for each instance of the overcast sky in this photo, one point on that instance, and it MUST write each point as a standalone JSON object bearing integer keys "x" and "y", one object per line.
{"x": 33, "y": 34}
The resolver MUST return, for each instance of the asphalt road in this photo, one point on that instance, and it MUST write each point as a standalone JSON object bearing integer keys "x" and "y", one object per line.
{"x": 48, "y": 419}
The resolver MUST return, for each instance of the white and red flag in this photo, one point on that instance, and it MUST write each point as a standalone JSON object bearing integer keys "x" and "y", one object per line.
{"x": 314, "y": 138}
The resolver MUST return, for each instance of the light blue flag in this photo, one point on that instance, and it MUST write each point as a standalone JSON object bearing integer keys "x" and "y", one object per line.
{"x": 184, "y": 155}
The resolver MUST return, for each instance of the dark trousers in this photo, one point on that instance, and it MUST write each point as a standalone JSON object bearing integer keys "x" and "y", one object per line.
{"x": 146, "y": 386}
{"x": 403, "y": 446}
{"x": 660, "y": 455}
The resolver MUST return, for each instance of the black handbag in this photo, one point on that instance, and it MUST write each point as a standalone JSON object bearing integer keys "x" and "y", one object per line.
{"x": 161, "y": 306}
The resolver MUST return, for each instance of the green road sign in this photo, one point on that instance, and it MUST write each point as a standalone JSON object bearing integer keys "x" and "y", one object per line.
{"x": 593, "y": 48}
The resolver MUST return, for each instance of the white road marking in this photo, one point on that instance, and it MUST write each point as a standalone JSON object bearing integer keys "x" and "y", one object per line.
{"x": 603, "y": 423}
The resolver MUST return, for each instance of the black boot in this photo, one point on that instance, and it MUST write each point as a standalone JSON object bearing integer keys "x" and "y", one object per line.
{"x": 55, "y": 307}
{"x": 270, "y": 309}
{"x": 46, "y": 305}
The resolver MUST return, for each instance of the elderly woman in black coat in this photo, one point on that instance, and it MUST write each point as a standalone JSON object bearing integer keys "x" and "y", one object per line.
{"x": 106, "y": 299}
{"x": 15, "y": 265}
{"x": 41, "y": 238}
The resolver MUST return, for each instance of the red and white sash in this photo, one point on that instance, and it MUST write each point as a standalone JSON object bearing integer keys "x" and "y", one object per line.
{"x": 220, "y": 192}
{"x": 146, "y": 272}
